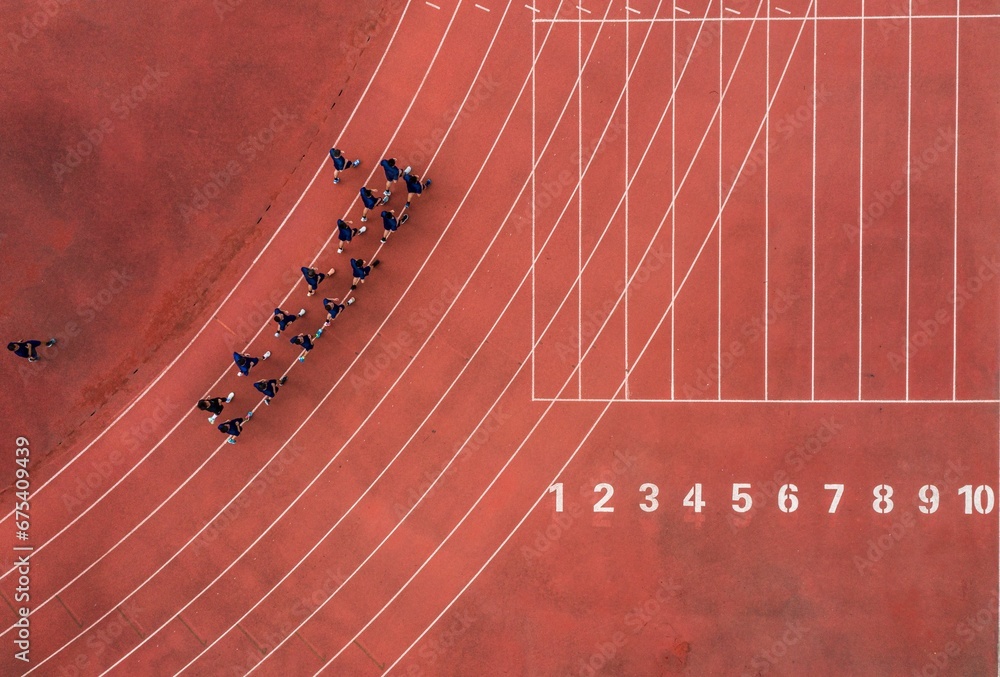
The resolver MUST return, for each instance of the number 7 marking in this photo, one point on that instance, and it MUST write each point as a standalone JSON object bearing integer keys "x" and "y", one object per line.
{"x": 836, "y": 497}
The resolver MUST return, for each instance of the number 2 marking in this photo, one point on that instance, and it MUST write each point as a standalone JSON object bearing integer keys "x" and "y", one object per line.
{"x": 609, "y": 491}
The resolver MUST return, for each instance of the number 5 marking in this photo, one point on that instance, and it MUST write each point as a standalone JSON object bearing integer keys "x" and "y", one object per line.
{"x": 738, "y": 495}
{"x": 839, "y": 488}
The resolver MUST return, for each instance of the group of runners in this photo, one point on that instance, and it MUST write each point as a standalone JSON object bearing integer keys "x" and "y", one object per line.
{"x": 360, "y": 269}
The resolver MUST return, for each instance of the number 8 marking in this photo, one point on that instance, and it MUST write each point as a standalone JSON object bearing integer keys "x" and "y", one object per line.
{"x": 883, "y": 496}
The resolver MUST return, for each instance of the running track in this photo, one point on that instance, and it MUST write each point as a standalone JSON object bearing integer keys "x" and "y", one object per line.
{"x": 316, "y": 567}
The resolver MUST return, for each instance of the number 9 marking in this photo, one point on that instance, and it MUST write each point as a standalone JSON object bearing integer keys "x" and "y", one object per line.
{"x": 929, "y": 494}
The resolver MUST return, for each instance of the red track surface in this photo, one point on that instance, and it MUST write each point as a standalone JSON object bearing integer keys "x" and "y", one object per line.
{"x": 390, "y": 512}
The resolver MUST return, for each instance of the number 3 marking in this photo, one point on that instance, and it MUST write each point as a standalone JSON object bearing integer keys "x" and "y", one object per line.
{"x": 653, "y": 491}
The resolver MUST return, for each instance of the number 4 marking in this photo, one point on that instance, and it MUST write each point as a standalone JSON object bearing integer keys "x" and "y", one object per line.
{"x": 839, "y": 488}
{"x": 693, "y": 498}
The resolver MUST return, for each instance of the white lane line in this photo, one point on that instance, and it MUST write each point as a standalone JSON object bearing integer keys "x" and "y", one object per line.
{"x": 767, "y": 201}
{"x": 431, "y": 4}
{"x": 649, "y": 400}
{"x": 621, "y": 200}
{"x": 634, "y": 11}
{"x": 909, "y": 191}
{"x": 223, "y": 445}
{"x": 482, "y": 8}
{"x": 718, "y": 307}
{"x": 954, "y": 281}
{"x": 584, "y": 9}
{"x": 533, "y": 9}
{"x": 523, "y": 280}
{"x": 782, "y": 10}
{"x": 514, "y": 204}
{"x": 870, "y": 18}
{"x": 625, "y": 185}
{"x": 545, "y": 492}
{"x": 195, "y": 338}
{"x": 673, "y": 190}
{"x": 218, "y": 309}
{"x": 861, "y": 208}
{"x": 815, "y": 110}
{"x": 649, "y": 144}
{"x": 579, "y": 205}
{"x": 682, "y": 10}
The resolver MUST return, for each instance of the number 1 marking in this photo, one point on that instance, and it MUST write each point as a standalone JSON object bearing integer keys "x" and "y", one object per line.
{"x": 839, "y": 488}
{"x": 558, "y": 489}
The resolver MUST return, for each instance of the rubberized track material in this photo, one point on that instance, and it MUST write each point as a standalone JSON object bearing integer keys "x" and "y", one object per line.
{"x": 687, "y": 364}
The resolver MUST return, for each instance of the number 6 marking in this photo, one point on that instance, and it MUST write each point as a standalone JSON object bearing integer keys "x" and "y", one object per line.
{"x": 787, "y": 500}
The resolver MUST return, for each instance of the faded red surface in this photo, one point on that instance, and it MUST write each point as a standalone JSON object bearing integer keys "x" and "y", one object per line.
{"x": 112, "y": 248}
{"x": 390, "y": 511}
